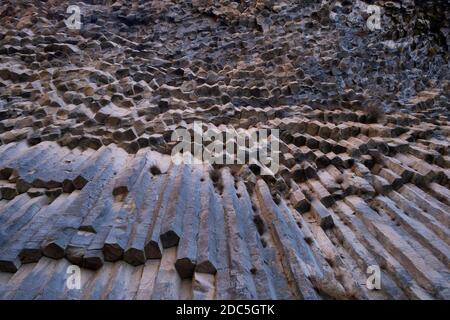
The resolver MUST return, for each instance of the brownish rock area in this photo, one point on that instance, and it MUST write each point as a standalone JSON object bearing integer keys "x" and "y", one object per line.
{"x": 86, "y": 176}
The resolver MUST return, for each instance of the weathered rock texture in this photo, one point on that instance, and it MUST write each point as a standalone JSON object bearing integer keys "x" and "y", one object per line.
{"x": 86, "y": 177}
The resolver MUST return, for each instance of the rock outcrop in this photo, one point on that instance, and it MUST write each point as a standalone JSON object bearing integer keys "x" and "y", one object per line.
{"x": 86, "y": 177}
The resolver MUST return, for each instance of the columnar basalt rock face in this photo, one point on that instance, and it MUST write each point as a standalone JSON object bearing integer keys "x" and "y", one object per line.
{"x": 86, "y": 177}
